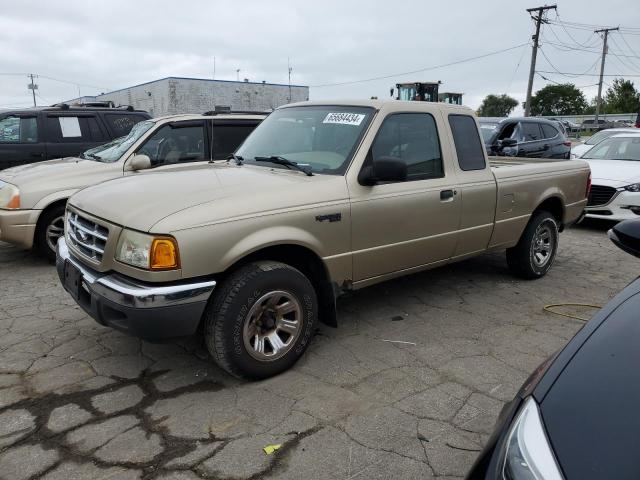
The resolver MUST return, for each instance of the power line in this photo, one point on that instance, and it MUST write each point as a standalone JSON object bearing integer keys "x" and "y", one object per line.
{"x": 383, "y": 77}
{"x": 70, "y": 82}
{"x": 559, "y": 83}
{"x": 593, "y": 74}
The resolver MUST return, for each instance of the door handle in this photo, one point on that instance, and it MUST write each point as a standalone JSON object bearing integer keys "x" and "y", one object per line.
{"x": 447, "y": 195}
{"x": 39, "y": 155}
{"x": 546, "y": 146}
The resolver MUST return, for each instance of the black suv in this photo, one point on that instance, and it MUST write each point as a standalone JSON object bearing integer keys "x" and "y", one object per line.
{"x": 524, "y": 137}
{"x": 42, "y": 133}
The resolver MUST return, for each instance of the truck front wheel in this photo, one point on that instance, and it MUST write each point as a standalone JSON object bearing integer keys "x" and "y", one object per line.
{"x": 261, "y": 319}
{"x": 533, "y": 256}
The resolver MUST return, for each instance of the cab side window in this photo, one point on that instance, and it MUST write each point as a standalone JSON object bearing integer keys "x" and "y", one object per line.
{"x": 469, "y": 148}
{"x": 175, "y": 144}
{"x": 18, "y": 130}
{"x": 412, "y": 138}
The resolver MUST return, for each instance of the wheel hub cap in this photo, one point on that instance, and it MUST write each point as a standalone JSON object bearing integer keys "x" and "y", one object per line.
{"x": 543, "y": 245}
{"x": 272, "y": 325}
{"x": 54, "y": 231}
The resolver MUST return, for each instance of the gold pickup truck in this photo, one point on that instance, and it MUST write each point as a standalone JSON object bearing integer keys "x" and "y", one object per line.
{"x": 320, "y": 199}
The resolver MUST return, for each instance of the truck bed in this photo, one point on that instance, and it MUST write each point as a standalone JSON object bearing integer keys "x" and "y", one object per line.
{"x": 509, "y": 167}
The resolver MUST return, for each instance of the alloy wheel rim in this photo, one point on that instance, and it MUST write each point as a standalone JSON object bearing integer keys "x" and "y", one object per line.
{"x": 272, "y": 325}
{"x": 54, "y": 231}
{"x": 543, "y": 245}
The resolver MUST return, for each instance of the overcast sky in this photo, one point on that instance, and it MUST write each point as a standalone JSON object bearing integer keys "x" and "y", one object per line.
{"x": 105, "y": 45}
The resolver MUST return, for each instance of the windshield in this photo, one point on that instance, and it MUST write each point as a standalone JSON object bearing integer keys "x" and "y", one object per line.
{"x": 600, "y": 136}
{"x": 616, "y": 148}
{"x": 321, "y": 138}
{"x": 487, "y": 129}
{"x": 113, "y": 151}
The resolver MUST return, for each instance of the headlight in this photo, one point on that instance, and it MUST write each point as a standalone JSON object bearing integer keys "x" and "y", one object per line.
{"x": 634, "y": 187}
{"x": 9, "y": 196}
{"x": 147, "y": 251}
{"x": 528, "y": 454}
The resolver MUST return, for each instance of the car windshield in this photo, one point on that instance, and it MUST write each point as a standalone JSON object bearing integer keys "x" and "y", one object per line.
{"x": 113, "y": 151}
{"x": 616, "y": 148}
{"x": 600, "y": 136}
{"x": 487, "y": 129}
{"x": 320, "y": 138}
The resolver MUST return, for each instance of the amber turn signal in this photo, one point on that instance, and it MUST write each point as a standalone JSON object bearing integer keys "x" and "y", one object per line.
{"x": 14, "y": 203}
{"x": 164, "y": 254}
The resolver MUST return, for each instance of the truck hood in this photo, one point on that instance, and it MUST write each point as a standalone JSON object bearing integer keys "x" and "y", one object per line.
{"x": 191, "y": 196}
{"x": 39, "y": 180}
{"x": 614, "y": 173}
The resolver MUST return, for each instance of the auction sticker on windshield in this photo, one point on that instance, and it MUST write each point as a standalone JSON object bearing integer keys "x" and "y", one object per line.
{"x": 344, "y": 118}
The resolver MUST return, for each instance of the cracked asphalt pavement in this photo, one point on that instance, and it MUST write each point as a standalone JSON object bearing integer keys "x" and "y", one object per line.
{"x": 409, "y": 386}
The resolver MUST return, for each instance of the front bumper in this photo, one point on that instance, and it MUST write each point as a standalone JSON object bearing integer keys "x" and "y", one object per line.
{"x": 141, "y": 309}
{"x": 18, "y": 226}
{"x": 623, "y": 206}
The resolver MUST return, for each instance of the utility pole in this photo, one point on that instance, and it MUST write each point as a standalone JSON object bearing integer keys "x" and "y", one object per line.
{"x": 604, "y": 54}
{"x": 33, "y": 87}
{"x": 534, "y": 52}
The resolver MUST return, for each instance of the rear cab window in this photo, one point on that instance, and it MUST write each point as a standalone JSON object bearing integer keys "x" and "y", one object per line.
{"x": 18, "y": 129}
{"x": 467, "y": 142}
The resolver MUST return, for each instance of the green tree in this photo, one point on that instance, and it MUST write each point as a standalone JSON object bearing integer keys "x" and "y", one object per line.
{"x": 621, "y": 97}
{"x": 563, "y": 99}
{"x": 497, "y": 106}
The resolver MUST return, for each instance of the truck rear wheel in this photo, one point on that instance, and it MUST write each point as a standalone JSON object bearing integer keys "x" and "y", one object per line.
{"x": 533, "y": 256}
{"x": 261, "y": 319}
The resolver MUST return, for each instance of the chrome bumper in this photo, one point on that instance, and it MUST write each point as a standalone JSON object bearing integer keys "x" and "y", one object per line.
{"x": 142, "y": 309}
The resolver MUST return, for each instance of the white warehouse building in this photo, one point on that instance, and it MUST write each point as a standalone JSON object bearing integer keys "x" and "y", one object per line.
{"x": 173, "y": 95}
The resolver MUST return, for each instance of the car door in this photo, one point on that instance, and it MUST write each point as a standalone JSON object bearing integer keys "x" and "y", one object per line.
{"x": 20, "y": 139}
{"x": 402, "y": 225}
{"x": 227, "y": 135}
{"x": 70, "y": 134}
{"x": 530, "y": 142}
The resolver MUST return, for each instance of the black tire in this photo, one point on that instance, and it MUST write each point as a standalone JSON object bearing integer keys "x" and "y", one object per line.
{"x": 42, "y": 238}
{"x": 230, "y": 311}
{"x": 526, "y": 259}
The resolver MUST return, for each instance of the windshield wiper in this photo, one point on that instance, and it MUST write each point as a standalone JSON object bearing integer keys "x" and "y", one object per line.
{"x": 238, "y": 159}
{"x": 278, "y": 160}
{"x": 93, "y": 155}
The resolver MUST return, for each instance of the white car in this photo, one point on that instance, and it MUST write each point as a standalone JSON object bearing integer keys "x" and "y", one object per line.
{"x": 615, "y": 176}
{"x": 577, "y": 151}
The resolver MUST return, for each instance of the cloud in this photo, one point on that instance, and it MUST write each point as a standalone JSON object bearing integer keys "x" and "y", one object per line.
{"x": 115, "y": 44}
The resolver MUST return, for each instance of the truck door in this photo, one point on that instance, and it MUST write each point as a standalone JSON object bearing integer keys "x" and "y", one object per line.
{"x": 402, "y": 225}
{"x": 20, "y": 140}
{"x": 476, "y": 187}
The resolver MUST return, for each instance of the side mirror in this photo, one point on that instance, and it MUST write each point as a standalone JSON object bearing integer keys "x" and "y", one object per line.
{"x": 384, "y": 169}
{"x": 507, "y": 142}
{"x": 139, "y": 162}
{"x": 626, "y": 235}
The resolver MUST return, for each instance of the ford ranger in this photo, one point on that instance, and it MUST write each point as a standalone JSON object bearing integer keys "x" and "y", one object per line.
{"x": 320, "y": 199}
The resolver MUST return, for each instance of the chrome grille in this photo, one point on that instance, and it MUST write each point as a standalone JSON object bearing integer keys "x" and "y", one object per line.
{"x": 87, "y": 236}
{"x": 600, "y": 195}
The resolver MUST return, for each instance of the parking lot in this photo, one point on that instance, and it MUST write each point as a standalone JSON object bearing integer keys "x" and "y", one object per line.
{"x": 409, "y": 385}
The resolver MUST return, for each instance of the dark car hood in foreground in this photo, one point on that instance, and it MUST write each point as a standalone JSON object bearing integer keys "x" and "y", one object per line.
{"x": 592, "y": 410}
